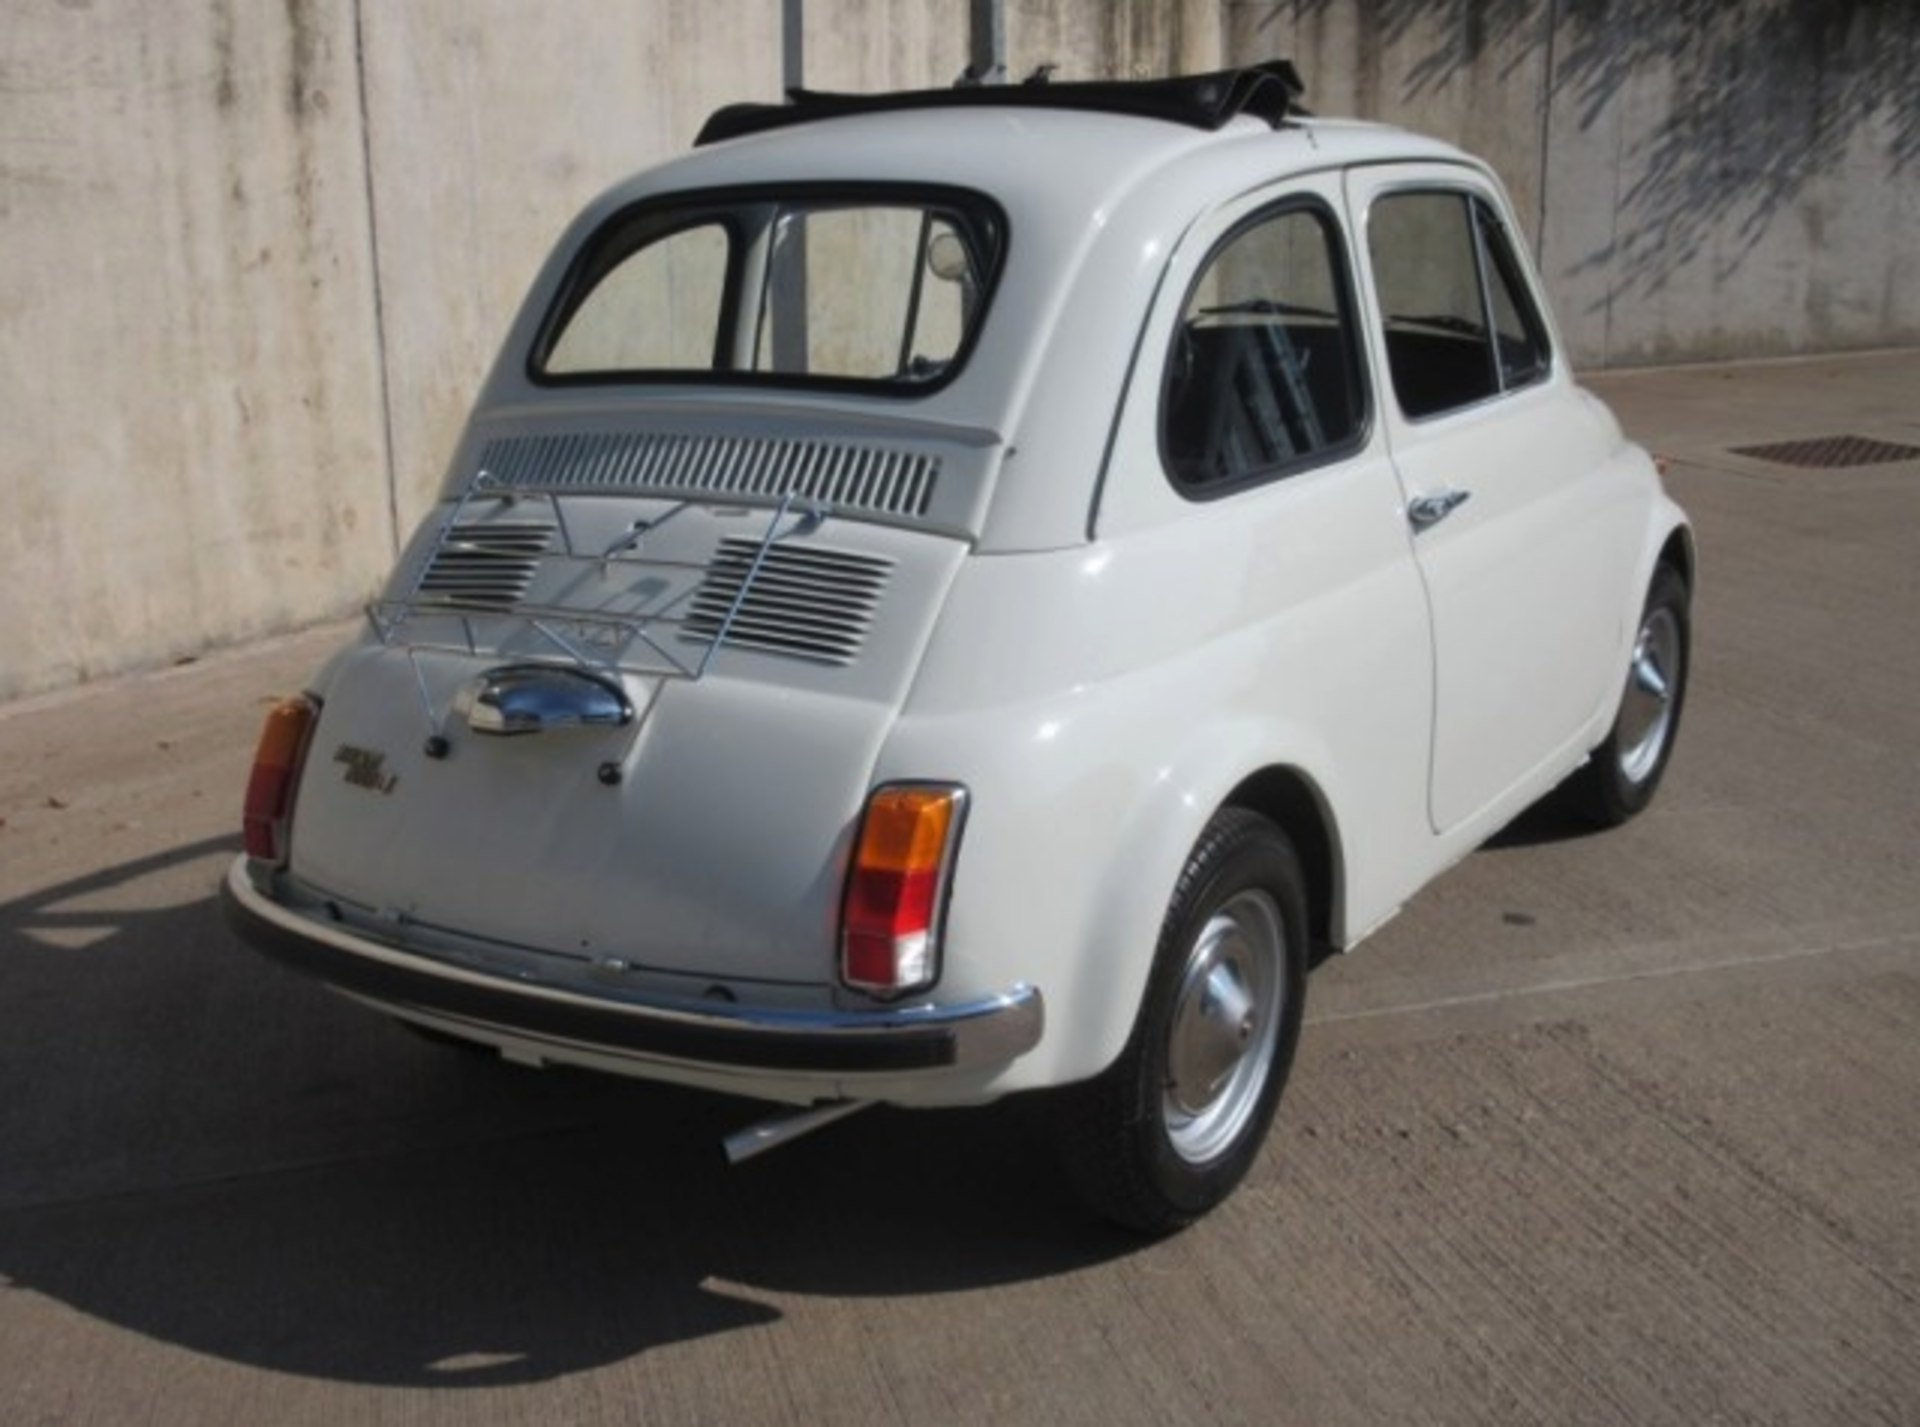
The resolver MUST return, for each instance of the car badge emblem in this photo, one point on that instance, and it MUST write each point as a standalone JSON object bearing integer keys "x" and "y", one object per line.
{"x": 366, "y": 768}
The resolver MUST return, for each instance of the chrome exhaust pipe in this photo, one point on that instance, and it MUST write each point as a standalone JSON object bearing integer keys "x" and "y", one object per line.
{"x": 782, "y": 1129}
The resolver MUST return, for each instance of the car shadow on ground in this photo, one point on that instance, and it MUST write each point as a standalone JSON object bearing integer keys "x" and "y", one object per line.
{"x": 1555, "y": 818}
{"x": 211, "y": 1152}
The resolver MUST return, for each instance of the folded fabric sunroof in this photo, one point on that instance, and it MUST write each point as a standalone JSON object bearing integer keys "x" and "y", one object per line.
{"x": 1269, "y": 91}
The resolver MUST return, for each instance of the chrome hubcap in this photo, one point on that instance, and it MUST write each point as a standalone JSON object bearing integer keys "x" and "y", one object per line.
{"x": 1646, "y": 713}
{"x": 1226, "y": 1020}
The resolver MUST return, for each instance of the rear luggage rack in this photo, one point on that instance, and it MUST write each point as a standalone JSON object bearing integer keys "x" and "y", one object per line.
{"x": 630, "y": 604}
{"x": 656, "y": 602}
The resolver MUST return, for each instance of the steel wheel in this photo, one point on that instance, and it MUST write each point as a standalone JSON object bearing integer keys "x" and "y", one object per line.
{"x": 1226, "y": 1020}
{"x": 1653, "y": 682}
{"x": 1166, "y": 1131}
{"x": 1620, "y": 778}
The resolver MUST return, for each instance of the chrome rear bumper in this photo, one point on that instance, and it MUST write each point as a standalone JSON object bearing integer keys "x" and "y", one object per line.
{"x": 723, "y": 1036}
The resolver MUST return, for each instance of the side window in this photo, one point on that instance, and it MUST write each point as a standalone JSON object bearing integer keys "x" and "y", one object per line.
{"x": 1263, "y": 377}
{"x": 1460, "y": 325}
{"x": 1520, "y": 337}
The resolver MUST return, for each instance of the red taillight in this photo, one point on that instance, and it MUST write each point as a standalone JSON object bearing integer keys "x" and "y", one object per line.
{"x": 896, "y": 888}
{"x": 276, "y": 772}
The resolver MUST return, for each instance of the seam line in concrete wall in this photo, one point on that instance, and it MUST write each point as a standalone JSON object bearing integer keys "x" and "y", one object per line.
{"x": 381, "y": 355}
{"x": 1547, "y": 91}
{"x": 1613, "y": 236}
{"x": 793, "y": 44}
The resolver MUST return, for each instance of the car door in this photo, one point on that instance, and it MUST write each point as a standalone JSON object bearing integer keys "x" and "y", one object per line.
{"x": 1251, "y": 506}
{"x": 1497, "y": 456}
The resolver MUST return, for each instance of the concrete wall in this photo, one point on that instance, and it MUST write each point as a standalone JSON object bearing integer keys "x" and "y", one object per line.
{"x": 1703, "y": 179}
{"x": 257, "y": 256}
{"x": 1733, "y": 180}
{"x": 192, "y": 449}
{"x": 490, "y": 124}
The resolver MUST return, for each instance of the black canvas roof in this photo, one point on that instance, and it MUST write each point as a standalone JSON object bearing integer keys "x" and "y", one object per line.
{"x": 1269, "y": 91}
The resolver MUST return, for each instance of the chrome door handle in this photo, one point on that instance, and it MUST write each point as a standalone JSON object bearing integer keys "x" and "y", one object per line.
{"x": 1426, "y": 511}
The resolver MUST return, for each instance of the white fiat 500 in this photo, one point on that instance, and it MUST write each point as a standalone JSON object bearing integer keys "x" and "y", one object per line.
{"x": 955, "y": 593}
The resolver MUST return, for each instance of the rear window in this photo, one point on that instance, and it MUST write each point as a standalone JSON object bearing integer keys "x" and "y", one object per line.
{"x": 879, "y": 289}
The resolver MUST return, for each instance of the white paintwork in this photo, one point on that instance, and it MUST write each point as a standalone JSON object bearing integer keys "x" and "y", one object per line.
{"x": 1523, "y": 579}
{"x": 1099, "y": 660}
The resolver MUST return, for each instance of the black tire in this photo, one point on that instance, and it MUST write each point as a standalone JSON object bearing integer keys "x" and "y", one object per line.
{"x": 1624, "y": 772}
{"x": 1170, "y": 1128}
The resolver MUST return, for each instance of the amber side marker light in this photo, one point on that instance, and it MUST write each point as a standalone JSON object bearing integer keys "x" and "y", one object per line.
{"x": 897, "y": 888}
{"x": 276, "y": 773}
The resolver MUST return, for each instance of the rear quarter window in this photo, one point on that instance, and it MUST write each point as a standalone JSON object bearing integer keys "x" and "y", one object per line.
{"x": 1264, "y": 376}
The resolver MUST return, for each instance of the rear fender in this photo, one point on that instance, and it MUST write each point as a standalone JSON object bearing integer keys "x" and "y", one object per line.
{"x": 1101, "y": 987}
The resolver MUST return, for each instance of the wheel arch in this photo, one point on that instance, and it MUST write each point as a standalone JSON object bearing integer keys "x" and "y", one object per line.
{"x": 1678, "y": 551}
{"x": 1107, "y": 982}
{"x": 1290, "y": 800}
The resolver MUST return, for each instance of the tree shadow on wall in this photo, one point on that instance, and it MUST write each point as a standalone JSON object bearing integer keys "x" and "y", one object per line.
{"x": 1765, "y": 96}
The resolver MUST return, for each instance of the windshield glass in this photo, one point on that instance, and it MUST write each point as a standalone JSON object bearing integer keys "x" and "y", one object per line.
{"x": 881, "y": 289}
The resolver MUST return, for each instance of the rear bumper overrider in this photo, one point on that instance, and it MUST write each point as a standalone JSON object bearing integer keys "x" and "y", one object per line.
{"x": 723, "y": 1037}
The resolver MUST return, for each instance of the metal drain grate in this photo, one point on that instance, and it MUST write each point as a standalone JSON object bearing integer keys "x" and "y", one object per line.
{"x": 1831, "y": 453}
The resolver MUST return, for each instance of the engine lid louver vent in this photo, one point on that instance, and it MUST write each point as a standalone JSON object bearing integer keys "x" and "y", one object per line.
{"x": 809, "y": 603}
{"x": 487, "y": 563}
{"x": 855, "y": 478}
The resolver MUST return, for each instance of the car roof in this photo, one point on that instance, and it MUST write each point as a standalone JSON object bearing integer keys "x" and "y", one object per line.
{"x": 1095, "y": 198}
{"x": 1032, "y": 160}
{"x": 1099, "y": 127}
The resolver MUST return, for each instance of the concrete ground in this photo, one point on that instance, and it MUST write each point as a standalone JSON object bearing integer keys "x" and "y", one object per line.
{"x": 1604, "y": 1129}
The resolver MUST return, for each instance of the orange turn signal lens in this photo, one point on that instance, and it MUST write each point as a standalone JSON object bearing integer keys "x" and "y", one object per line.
{"x": 276, "y": 773}
{"x": 897, "y": 888}
{"x": 906, "y": 828}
